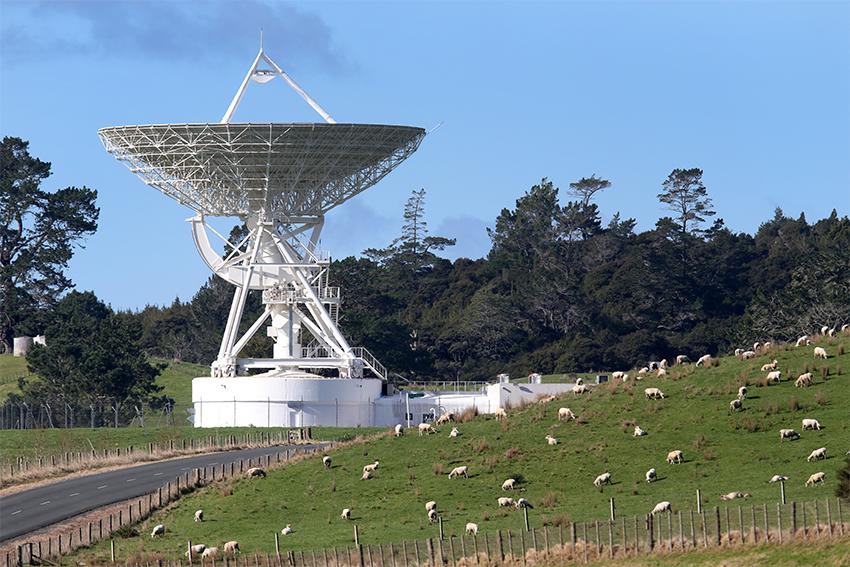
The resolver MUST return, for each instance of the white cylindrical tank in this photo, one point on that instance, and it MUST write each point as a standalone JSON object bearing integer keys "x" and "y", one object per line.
{"x": 21, "y": 345}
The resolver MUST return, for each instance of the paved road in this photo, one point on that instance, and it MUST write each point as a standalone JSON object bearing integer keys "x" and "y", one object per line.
{"x": 33, "y": 509}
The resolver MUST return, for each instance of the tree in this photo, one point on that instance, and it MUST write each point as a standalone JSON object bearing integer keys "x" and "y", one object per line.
{"x": 585, "y": 187}
{"x": 687, "y": 198}
{"x": 38, "y": 231}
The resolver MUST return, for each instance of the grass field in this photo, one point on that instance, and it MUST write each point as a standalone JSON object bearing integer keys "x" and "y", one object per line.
{"x": 723, "y": 452}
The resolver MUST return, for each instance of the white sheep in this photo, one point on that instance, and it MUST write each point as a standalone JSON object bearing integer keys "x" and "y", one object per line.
{"x": 803, "y": 380}
{"x": 565, "y": 414}
{"x": 506, "y": 501}
{"x": 287, "y": 530}
{"x": 210, "y": 552}
{"x": 777, "y": 478}
{"x": 457, "y": 471}
{"x": 654, "y": 393}
{"x": 199, "y": 515}
{"x": 652, "y": 366}
{"x": 643, "y": 370}
{"x": 346, "y": 514}
{"x": 675, "y": 456}
{"x": 546, "y": 400}
{"x": 638, "y": 431}
{"x": 366, "y": 475}
{"x": 372, "y": 467}
{"x": 661, "y": 507}
{"x": 426, "y": 429}
{"x": 704, "y": 360}
{"x": 500, "y": 413}
{"x": 747, "y": 355}
{"x": 663, "y": 364}
{"x": 399, "y": 430}
{"x": 742, "y": 393}
{"x": 811, "y": 424}
{"x": 650, "y": 475}
{"x": 756, "y": 346}
{"x": 735, "y": 404}
{"x": 551, "y": 440}
{"x": 787, "y": 434}
{"x": 432, "y": 505}
{"x": 816, "y": 478}
{"x": 580, "y": 389}
{"x": 256, "y": 471}
{"x": 817, "y": 454}
{"x": 471, "y": 528}
{"x": 803, "y": 341}
{"x": 445, "y": 418}
{"x": 508, "y": 484}
{"x": 579, "y": 381}
{"x": 824, "y": 329}
{"x": 774, "y": 376}
{"x": 195, "y": 550}
{"x": 820, "y": 352}
{"x": 454, "y": 432}
{"x": 683, "y": 359}
{"x": 604, "y": 478}
{"x": 158, "y": 529}
{"x": 733, "y": 496}
{"x": 523, "y": 503}
{"x": 231, "y": 547}
{"x": 739, "y": 351}
{"x": 618, "y": 375}
{"x": 326, "y": 461}
{"x": 844, "y": 327}
{"x": 662, "y": 372}
{"x": 432, "y": 516}
{"x": 770, "y": 366}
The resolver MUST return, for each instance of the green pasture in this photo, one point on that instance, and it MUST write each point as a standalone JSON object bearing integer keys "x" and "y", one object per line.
{"x": 723, "y": 453}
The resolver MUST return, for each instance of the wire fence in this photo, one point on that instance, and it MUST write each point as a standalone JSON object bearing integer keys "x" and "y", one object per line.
{"x": 66, "y": 413}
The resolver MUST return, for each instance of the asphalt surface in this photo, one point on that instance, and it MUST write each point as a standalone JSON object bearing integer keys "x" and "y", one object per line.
{"x": 36, "y": 508}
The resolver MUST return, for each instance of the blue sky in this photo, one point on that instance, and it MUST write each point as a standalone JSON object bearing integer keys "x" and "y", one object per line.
{"x": 757, "y": 94}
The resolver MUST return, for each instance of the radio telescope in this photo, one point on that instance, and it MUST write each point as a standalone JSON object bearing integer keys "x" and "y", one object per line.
{"x": 280, "y": 179}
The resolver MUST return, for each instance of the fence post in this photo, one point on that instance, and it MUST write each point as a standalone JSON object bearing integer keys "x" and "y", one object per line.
{"x": 699, "y": 503}
{"x": 782, "y": 490}
{"x": 779, "y": 520}
{"x": 612, "y": 510}
{"x": 430, "y": 544}
{"x": 717, "y": 523}
{"x": 525, "y": 511}
{"x": 277, "y": 546}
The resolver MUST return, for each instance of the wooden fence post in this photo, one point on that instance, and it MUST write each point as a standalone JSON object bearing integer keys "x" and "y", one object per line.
{"x": 430, "y": 543}
{"x": 717, "y": 523}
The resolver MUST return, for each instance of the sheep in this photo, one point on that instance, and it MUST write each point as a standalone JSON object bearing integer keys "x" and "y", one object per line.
{"x": 371, "y": 468}
{"x": 661, "y": 507}
{"x": 747, "y": 355}
{"x": 199, "y": 515}
{"x": 426, "y": 429}
{"x": 638, "y": 431}
{"x": 663, "y": 364}
{"x": 346, "y": 514}
{"x": 644, "y": 370}
{"x": 454, "y": 432}
{"x": 604, "y": 478}
{"x": 287, "y": 530}
{"x": 445, "y": 418}
{"x": 432, "y": 505}
{"x": 579, "y": 381}
{"x": 777, "y": 478}
{"x": 756, "y": 346}
{"x": 523, "y": 503}
{"x": 844, "y": 327}
{"x": 653, "y": 366}
{"x": 816, "y": 478}
{"x": 471, "y": 528}
{"x": 803, "y": 341}
{"x": 399, "y": 430}
{"x": 803, "y": 380}
{"x": 654, "y": 393}
{"x": 551, "y": 440}
{"x": 366, "y": 475}
{"x": 736, "y": 404}
{"x": 662, "y": 372}
{"x": 565, "y": 414}
{"x": 326, "y": 461}
{"x": 432, "y": 516}
{"x": 770, "y": 366}
{"x": 817, "y": 454}
{"x": 824, "y": 329}
{"x": 704, "y": 360}
{"x": 457, "y": 471}
{"x": 210, "y": 552}
{"x": 546, "y": 400}
{"x": 742, "y": 393}
{"x": 231, "y": 547}
{"x": 811, "y": 424}
{"x": 618, "y": 375}
{"x": 820, "y": 352}
{"x": 733, "y": 496}
{"x": 580, "y": 389}
{"x": 158, "y": 529}
{"x": 787, "y": 434}
{"x": 508, "y": 484}
{"x": 256, "y": 471}
{"x": 774, "y": 376}
{"x": 195, "y": 550}
{"x": 500, "y": 413}
{"x": 650, "y": 475}
{"x": 506, "y": 501}
{"x": 676, "y": 456}
{"x": 683, "y": 359}
{"x": 739, "y": 351}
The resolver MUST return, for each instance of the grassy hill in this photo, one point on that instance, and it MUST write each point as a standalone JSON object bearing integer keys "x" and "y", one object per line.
{"x": 723, "y": 452}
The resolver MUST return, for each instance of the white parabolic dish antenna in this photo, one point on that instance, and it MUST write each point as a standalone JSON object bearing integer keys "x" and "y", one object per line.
{"x": 280, "y": 179}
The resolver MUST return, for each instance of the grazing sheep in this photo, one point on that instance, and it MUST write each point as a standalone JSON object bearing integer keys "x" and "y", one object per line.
{"x": 742, "y": 393}
{"x": 454, "y": 432}
{"x": 256, "y": 471}
{"x": 371, "y": 468}
{"x": 551, "y": 440}
{"x": 661, "y": 507}
{"x": 650, "y": 475}
{"x": 683, "y": 359}
{"x": 457, "y": 471}
{"x": 787, "y": 434}
{"x": 287, "y": 530}
{"x": 638, "y": 431}
{"x": 471, "y": 528}
{"x": 653, "y": 393}
{"x": 506, "y": 501}
{"x": 811, "y": 424}
{"x": 445, "y": 418}
{"x": 704, "y": 360}
{"x": 820, "y": 352}
{"x": 195, "y": 550}
{"x": 366, "y": 475}
{"x": 426, "y": 429}
{"x": 199, "y": 515}
{"x": 546, "y": 400}
{"x": 580, "y": 389}
{"x": 432, "y": 516}
{"x": 508, "y": 484}
{"x": 733, "y": 496}
{"x": 327, "y": 462}
{"x": 565, "y": 414}
{"x": 159, "y": 529}
{"x": 662, "y": 372}
{"x": 774, "y": 376}
{"x": 346, "y": 514}
{"x": 803, "y": 380}
{"x": 500, "y": 413}
{"x": 817, "y": 454}
{"x": 803, "y": 341}
{"x": 770, "y": 366}
{"x": 210, "y": 552}
{"x": 523, "y": 503}
{"x": 816, "y": 478}
{"x": 432, "y": 505}
{"x": 663, "y": 364}
{"x": 676, "y": 456}
{"x": 618, "y": 375}
{"x": 747, "y": 355}
{"x": 231, "y": 547}
{"x": 604, "y": 478}
{"x": 399, "y": 430}
{"x": 644, "y": 370}
{"x": 736, "y": 404}
{"x": 777, "y": 478}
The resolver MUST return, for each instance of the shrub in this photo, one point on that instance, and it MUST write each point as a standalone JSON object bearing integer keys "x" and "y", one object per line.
{"x": 513, "y": 452}
{"x": 820, "y": 399}
{"x": 438, "y": 468}
{"x": 126, "y": 532}
{"x": 794, "y": 404}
